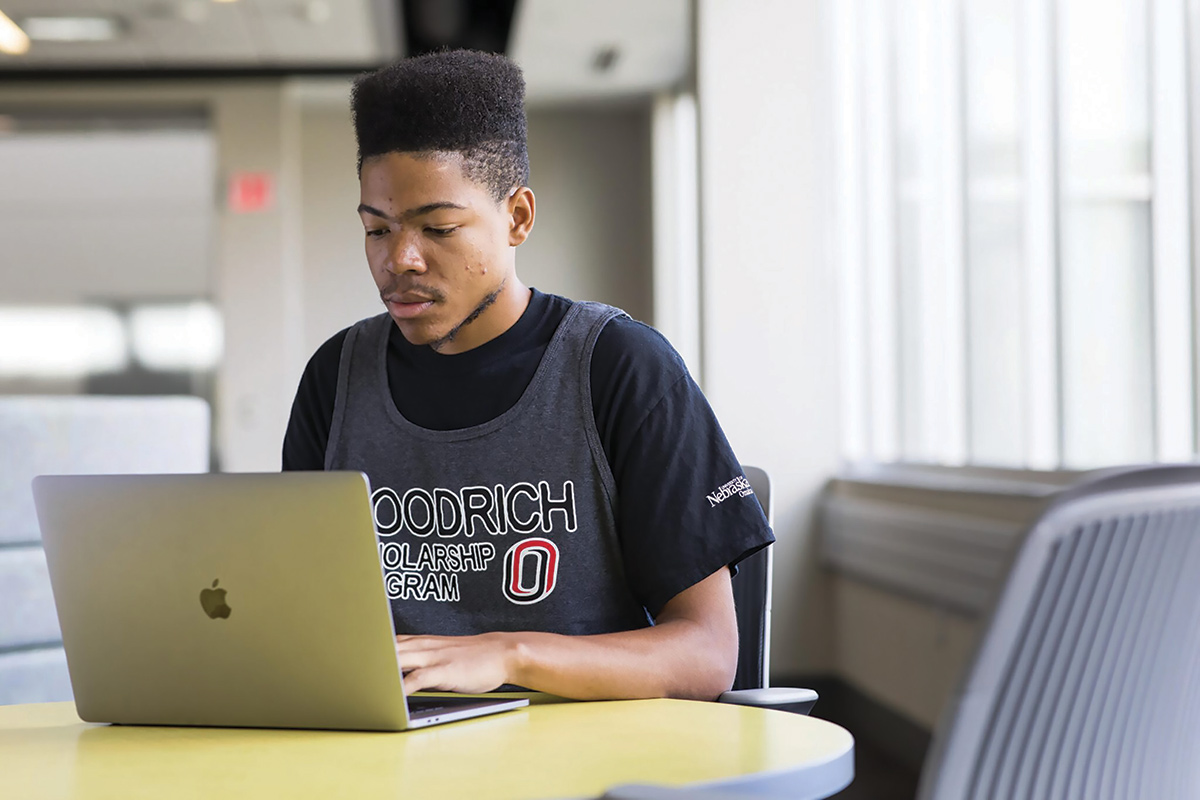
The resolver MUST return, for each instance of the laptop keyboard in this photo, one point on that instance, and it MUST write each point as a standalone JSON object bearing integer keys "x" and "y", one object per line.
{"x": 427, "y": 706}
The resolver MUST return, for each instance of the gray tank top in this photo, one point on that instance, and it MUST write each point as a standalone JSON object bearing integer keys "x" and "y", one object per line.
{"x": 508, "y": 525}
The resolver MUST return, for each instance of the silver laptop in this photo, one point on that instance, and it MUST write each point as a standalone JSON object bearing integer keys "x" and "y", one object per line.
{"x": 230, "y": 600}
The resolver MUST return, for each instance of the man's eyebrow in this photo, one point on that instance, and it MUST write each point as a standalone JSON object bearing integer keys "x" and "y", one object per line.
{"x": 412, "y": 212}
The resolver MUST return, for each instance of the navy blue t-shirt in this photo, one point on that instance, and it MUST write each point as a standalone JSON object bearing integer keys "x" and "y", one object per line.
{"x": 665, "y": 448}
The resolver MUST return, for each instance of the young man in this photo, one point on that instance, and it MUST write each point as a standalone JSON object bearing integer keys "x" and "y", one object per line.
{"x": 557, "y": 506}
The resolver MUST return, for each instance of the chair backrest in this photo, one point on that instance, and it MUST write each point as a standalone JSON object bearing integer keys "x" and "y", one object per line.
{"x": 1085, "y": 680}
{"x": 752, "y": 598}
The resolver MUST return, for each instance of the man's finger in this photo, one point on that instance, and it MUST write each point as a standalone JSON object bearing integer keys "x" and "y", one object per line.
{"x": 419, "y": 642}
{"x": 412, "y": 682}
{"x": 410, "y": 660}
{"x": 423, "y": 679}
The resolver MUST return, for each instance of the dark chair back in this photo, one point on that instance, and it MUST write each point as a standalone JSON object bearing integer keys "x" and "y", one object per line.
{"x": 752, "y": 599}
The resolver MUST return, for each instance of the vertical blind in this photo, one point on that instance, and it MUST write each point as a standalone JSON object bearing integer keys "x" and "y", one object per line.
{"x": 1015, "y": 182}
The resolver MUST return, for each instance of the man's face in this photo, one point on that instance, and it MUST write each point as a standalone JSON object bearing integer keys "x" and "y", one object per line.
{"x": 439, "y": 246}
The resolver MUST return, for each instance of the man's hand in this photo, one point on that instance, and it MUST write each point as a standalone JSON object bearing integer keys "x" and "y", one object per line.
{"x": 691, "y": 653}
{"x": 467, "y": 664}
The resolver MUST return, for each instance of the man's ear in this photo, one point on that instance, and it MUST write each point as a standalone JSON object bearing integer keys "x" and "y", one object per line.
{"x": 521, "y": 210}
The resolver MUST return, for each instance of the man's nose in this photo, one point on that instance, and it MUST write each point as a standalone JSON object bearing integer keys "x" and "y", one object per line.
{"x": 405, "y": 255}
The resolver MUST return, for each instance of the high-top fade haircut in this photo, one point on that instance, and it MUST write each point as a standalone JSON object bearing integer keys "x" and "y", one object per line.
{"x": 456, "y": 101}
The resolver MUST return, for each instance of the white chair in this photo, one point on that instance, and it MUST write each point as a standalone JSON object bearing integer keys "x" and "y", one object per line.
{"x": 1086, "y": 682}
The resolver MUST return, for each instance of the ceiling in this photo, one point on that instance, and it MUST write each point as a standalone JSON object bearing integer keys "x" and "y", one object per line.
{"x": 564, "y": 45}
{"x": 208, "y": 34}
{"x": 569, "y": 49}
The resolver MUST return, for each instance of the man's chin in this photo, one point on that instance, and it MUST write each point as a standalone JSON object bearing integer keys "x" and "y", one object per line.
{"x": 416, "y": 333}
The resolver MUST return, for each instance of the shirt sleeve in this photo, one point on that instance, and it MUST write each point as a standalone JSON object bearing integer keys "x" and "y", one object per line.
{"x": 683, "y": 508}
{"x": 312, "y": 410}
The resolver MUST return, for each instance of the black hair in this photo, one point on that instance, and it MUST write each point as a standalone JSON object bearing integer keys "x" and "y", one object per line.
{"x": 455, "y": 101}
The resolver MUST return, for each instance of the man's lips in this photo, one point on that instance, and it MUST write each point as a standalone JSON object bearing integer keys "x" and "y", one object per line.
{"x": 407, "y": 305}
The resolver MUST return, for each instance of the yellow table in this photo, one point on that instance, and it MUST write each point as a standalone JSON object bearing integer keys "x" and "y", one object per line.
{"x": 553, "y": 749}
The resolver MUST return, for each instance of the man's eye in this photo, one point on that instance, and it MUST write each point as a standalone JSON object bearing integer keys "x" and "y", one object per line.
{"x": 442, "y": 231}
{"x": 377, "y": 232}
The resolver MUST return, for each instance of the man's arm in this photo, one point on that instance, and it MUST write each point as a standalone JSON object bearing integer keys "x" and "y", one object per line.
{"x": 691, "y": 652}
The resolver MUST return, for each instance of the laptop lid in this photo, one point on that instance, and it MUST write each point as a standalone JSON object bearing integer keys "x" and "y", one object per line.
{"x": 232, "y": 600}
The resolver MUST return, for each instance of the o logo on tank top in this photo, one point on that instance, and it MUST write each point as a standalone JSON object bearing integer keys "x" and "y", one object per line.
{"x": 530, "y": 571}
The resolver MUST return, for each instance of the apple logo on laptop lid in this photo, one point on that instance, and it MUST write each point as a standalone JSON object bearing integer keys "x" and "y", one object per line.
{"x": 213, "y": 602}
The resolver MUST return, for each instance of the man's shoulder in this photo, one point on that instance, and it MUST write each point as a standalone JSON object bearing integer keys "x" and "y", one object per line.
{"x": 627, "y": 344}
{"x": 329, "y": 355}
{"x": 624, "y": 342}
{"x": 634, "y": 368}
{"x": 334, "y": 343}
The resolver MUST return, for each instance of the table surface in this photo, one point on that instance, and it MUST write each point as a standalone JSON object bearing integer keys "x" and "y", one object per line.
{"x": 552, "y": 749}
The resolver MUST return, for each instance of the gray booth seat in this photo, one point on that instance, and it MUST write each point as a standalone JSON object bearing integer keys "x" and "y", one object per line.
{"x": 71, "y": 435}
{"x": 28, "y": 617}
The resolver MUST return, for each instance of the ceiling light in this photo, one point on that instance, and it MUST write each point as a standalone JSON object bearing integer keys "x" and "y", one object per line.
{"x": 605, "y": 59}
{"x": 72, "y": 29}
{"x": 13, "y": 40}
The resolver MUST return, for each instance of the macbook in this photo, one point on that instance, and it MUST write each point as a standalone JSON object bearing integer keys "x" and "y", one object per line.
{"x": 230, "y": 600}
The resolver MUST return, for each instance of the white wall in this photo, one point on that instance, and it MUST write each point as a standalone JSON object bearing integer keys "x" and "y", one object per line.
{"x": 338, "y": 290}
{"x": 769, "y": 316}
{"x": 590, "y": 173}
{"x": 106, "y": 216}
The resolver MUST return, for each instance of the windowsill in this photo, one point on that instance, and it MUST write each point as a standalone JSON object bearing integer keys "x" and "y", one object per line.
{"x": 973, "y": 480}
{"x": 944, "y": 535}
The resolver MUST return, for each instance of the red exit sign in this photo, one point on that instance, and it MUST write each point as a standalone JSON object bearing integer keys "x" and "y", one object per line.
{"x": 250, "y": 192}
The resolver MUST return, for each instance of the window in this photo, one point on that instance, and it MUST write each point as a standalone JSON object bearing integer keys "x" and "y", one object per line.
{"x": 1016, "y": 250}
